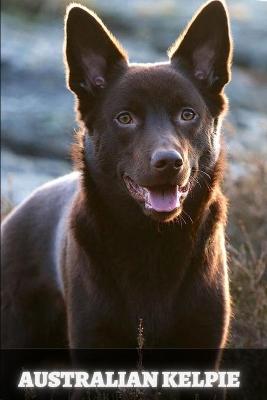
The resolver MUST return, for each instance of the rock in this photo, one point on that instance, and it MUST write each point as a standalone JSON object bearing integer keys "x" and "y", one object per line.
{"x": 20, "y": 175}
{"x": 37, "y": 109}
{"x": 248, "y": 90}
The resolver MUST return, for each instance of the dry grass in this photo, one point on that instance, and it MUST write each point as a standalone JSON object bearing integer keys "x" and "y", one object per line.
{"x": 248, "y": 256}
{"x": 7, "y": 203}
{"x": 6, "y": 207}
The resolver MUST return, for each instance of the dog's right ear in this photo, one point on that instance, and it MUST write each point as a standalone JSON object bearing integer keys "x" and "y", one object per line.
{"x": 205, "y": 48}
{"x": 92, "y": 53}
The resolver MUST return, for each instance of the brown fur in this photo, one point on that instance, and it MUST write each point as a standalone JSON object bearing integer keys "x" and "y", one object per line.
{"x": 119, "y": 260}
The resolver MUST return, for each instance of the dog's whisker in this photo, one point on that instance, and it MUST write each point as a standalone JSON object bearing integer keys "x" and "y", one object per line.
{"x": 196, "y": 181}
{"x": 187, "y": 215}
{"x": 205, "y": 173}
{"x": 181, "y": 216}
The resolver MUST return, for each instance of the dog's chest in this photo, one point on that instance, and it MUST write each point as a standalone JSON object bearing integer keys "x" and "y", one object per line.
{"x": 148, "y": 282}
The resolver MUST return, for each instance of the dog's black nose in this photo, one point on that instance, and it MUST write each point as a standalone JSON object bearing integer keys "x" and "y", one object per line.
{"x": 163, "y": 160}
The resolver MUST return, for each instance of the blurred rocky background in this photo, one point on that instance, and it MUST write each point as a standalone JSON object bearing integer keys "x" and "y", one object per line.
{"x": 38, "y": 119}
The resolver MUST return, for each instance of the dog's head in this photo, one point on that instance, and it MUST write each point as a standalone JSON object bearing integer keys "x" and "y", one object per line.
{"x": 151, "y": 129}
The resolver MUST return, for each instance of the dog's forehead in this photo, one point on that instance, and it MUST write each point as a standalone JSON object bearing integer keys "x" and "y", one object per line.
{"x": 159, "y": 82}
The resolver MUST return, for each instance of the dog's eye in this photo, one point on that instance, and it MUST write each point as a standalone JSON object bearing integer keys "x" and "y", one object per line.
{"x": 188, "y": 114}
{"x": 124, "y": 118}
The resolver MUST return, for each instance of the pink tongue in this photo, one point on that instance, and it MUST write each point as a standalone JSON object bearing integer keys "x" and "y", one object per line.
{"x": 164, "y": 200}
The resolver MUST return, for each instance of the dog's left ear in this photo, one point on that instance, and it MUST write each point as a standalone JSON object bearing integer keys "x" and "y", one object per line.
{"x": 204, "y": 49}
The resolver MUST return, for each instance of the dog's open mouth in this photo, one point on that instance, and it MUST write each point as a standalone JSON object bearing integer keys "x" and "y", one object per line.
{"x": 162, "y": 198}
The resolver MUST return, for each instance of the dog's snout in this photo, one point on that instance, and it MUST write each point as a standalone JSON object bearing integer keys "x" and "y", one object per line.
{"x": 163, "y": 160}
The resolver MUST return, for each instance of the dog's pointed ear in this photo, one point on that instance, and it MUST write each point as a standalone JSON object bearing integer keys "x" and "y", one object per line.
{"x": 205, "y": 49}
{"x": 92, "y": 53}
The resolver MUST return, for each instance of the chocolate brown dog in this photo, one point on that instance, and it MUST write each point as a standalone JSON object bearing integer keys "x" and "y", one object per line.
{"x": 138, "y": 231}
